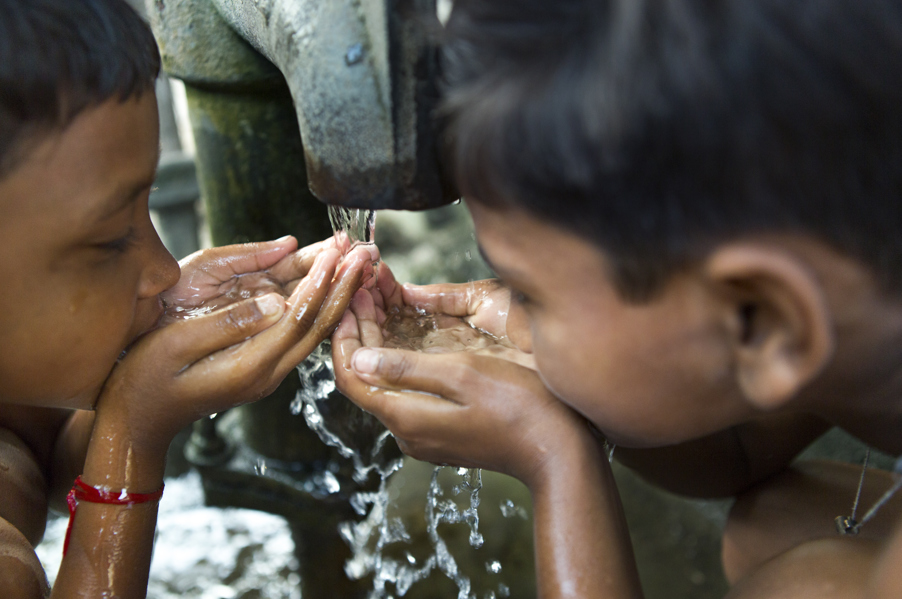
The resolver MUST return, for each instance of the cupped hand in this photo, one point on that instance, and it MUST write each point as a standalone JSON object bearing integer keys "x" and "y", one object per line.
{"x": 214, "y": 278}
{"x": 237, "y": 354}
{"x": 460, "y": 408}
{"x": 483, "y": 305}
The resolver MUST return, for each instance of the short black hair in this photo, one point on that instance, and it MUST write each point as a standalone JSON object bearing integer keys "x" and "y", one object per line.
{"x": 659, "y": 128}
{"x": 59, "y": 57}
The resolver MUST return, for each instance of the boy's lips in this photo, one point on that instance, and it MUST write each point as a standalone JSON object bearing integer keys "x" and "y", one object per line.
{"x": 146, "y": 322}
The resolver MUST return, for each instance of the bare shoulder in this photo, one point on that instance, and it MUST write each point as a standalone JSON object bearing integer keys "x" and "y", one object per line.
{"x": 837, "y": 568}
{"x": 781, "y": 541}
{"x": 800, "y": 505}
{"x": 23, "y": 503}
{"x": 21, "y": 573}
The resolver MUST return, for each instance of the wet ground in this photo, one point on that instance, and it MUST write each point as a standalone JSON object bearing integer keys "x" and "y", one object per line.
{"x": 206, "y": 553}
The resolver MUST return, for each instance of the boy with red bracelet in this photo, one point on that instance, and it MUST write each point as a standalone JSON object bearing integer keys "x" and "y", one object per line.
{"x": 90, "y": 382}
{"x": 696, "y": 209}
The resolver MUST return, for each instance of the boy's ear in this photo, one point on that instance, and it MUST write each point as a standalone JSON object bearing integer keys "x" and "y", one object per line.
{"x": 778, "y": 320}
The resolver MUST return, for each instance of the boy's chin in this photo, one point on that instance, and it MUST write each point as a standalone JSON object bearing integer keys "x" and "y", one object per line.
{"x": 84, "y": 398}
{"x": 635, "y": 440}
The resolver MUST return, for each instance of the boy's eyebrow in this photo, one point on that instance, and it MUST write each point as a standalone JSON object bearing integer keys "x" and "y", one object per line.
{"x": 504, "y": 273}
{"x": 121, "y": 198}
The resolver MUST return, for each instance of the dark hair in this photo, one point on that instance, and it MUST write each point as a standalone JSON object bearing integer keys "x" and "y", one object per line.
{"x": 59, "y": 57}
{"x": 658, "y": 128}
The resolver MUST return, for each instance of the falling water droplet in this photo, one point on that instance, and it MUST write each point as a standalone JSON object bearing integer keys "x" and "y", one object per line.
{"x": 330, "y": 483}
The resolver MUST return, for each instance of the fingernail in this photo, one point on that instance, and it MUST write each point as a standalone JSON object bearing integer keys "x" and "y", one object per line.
{"x": 285, "y": 238}
{"x": 269, "y": 304}
{"x": 366, "y": 361}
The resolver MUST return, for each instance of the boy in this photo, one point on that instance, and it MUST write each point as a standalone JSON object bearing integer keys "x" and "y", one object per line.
{"x": 85, "y": 283}
{"x": 695, "y": 207}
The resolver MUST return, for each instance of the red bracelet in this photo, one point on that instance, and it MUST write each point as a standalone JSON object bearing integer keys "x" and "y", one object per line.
{"x": 81, "y": 491}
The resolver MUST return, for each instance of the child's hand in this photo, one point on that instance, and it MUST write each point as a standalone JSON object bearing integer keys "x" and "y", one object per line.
{"x": 214, "y": 278}
{"x": 237, "y": 354}
{"x": 458, "y": 408}
{"x": 483, "y": 305}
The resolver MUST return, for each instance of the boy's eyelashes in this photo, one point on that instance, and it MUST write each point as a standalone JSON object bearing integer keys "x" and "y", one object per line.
{"x": 121, "y": 244}
{"x": 518, "y": 297}
{"x": 747, "y": 314}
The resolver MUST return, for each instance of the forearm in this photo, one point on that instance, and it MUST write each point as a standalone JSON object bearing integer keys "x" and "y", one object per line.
{"x": 110, "y": 545}
{"x": 582, "y": 542}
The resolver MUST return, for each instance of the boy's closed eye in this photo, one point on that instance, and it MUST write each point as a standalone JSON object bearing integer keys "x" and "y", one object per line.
{"x": 519, "y": 298}
{"x": 120, "y": 244}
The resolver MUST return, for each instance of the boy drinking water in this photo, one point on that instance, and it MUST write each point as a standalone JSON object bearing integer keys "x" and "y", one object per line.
{"x": 90, "y": 385}
{"x": 695, "y": 209}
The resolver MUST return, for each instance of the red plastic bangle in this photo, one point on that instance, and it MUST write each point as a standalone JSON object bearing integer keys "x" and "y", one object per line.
{"x": 81, "y": 491}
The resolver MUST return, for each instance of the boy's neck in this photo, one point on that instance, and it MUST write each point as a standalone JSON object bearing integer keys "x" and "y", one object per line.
{"x": 863, "y": 393}
{"x": 860, "y": 387}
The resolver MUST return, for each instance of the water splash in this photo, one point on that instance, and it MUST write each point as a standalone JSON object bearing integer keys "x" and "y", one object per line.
{"x": 510, "y": 510}
{"x": 376, "y": 531}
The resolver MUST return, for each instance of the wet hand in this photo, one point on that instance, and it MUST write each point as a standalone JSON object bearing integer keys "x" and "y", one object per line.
{"x": 237, "y": 354}
{"x": 483, "y": 306}
{"x": 459, "y": 408}
{"x": 217, "y": 277}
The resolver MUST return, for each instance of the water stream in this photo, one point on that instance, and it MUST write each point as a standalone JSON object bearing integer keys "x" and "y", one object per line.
{"x": 352, "y": 227}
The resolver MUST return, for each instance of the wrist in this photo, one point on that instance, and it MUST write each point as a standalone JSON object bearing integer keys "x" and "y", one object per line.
{"x": 115, "y": 459}
{"x": 570, "y": 456}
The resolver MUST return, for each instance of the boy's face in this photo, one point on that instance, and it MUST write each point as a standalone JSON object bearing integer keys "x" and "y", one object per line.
{"x": 644, "y": 374}
{"x": 80, "y": 263}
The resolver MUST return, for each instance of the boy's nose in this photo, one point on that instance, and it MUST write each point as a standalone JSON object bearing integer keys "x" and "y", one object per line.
{"x": 161, "y": 270}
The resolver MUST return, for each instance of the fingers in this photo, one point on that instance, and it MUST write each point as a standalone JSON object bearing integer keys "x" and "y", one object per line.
{"x": 266, "y": 355}
{"x": 263, "y": 356}
{"x": 308, "y": 297}
{"x": 440, "y": 374}
{"x": 346, "y": 283}
{"x": 364, "y": 309}
{"x": 386, "y": 405}
{"x": 454, "y": 299}
{"x": 191, "y": 340}
{"x": 262, "y": 361}
{"x": 389, "y": 291}
{"x": 291, "y": 268}
{"x": 327, "y": 313}
{"x": 229, "y": 260}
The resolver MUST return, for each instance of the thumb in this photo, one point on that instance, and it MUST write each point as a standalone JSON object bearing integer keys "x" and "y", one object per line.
{"x": 439, "y": 374}
{"x": 193, "y": 339}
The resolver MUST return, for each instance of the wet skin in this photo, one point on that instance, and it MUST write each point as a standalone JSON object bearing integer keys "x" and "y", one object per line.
{"x": 82, "y": 266}
{"x": 87, "y": 279}
{"x": 732, "y": 369}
